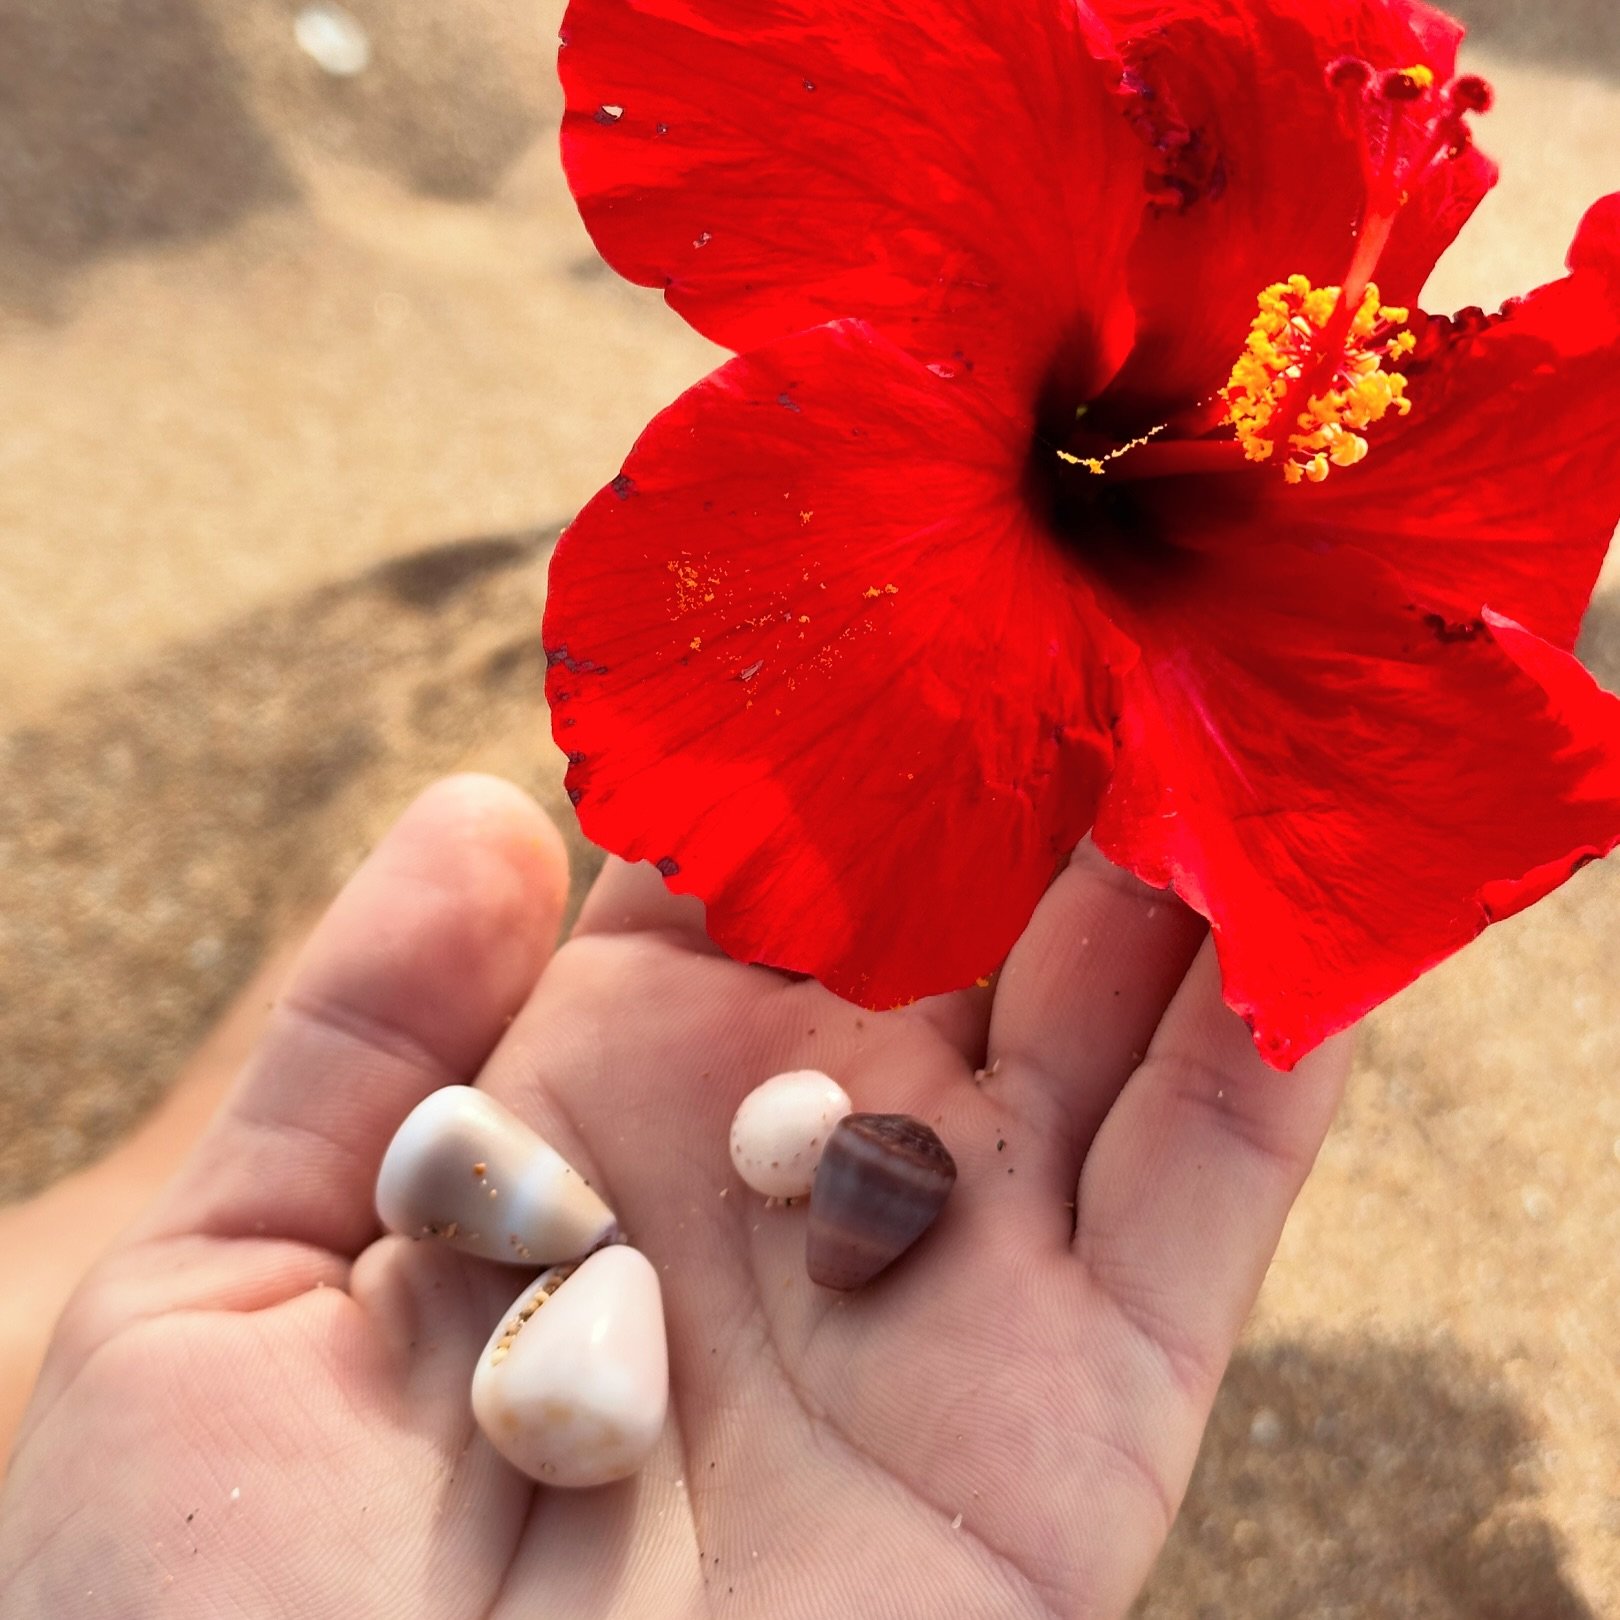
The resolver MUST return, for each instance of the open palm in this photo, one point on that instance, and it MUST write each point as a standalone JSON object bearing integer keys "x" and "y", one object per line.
{"x": 257, "y": 1407}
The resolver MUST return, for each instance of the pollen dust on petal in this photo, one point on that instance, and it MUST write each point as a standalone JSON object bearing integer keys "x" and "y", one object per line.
{"x": 695, "y": 587}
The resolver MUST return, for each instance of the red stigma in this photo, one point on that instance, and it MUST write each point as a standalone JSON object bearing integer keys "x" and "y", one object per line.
{"x": 1406, "y": 124}
{"x": 1471, "y": 93}
{"x": 1348, "y": 73}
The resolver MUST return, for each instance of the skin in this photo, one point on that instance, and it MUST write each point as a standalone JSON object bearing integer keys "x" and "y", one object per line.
{"x": 257, "y": 1405}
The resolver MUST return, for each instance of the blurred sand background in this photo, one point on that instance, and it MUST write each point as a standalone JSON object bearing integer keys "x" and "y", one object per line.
{"x": 299, "y": 375}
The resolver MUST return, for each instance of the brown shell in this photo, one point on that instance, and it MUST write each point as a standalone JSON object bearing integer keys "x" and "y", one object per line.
{"x": 882, "y": 1180}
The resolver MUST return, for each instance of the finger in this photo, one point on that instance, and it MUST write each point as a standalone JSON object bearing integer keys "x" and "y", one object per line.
{"x": 638, "y": 966}
{"x": 632, "y": 1056}
{"x": 1185, "y": 1191}
{"x": 1078, "y": 1002}
{"x": 633, "y": 898}
{"x": 405, "y": 986}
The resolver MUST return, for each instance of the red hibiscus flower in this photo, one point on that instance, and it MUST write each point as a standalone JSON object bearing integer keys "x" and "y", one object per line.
{"x": 1083, "y": 469}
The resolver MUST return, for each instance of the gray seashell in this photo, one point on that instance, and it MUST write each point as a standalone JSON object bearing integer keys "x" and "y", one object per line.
{"x": 469, "y": 1172}
{"x": 882, "y": 1180}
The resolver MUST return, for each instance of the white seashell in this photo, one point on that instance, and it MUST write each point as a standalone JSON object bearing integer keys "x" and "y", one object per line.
{"x": 780, "y": 1129}
{"x": 573, "y": 1385}
{"x": 465, "y": 1169}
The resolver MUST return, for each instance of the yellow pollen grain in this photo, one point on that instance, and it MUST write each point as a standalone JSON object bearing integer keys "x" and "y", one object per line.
{"x": 693, "y": 587}
{"x": 1098, "y": 465}
{"x": 1421, "y": 76}
{"x": 1293, "y": 318}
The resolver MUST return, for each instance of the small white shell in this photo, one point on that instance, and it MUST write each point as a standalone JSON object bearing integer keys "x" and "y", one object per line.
{"x": 466, "y": 1170}
{"x": 780, "y": 1129}
{"x": 573, "y": 1386}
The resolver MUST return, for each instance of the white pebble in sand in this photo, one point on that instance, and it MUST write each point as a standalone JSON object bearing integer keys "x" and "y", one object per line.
{"x": 1265, "y": 1428}
{"x": 780, "y": 1129}
{"x": 333, "y": 39}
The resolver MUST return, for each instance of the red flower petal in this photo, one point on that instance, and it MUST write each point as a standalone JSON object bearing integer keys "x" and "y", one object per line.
{"x": 955, "y": 172}
{"x": 1502, "y": 489}
{"x": 811, "y": 653}
{"x": 1429, "y": 223}
{"x": 1348, "y": 788}
{"x": 1597, "y": 240}
{"x": 1261, "y": 175}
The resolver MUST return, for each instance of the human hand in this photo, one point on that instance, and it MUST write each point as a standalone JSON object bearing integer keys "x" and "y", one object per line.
{"x": 257, "y": 1406}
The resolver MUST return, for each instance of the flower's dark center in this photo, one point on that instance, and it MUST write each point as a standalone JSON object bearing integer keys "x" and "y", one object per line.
{"x": 1104, "y": 520}
{"x": 1319, "y": 366}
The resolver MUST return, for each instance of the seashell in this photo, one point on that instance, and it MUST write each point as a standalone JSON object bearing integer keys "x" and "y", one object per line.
{"x": 573, "y": 1385}
{"x": 465, "y": 1169}
{"x": 780, "y": 1129}
{"x": 882, "y": 1180}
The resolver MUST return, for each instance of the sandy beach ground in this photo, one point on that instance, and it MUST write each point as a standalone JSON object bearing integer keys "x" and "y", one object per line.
{"x": 298, "y": 377}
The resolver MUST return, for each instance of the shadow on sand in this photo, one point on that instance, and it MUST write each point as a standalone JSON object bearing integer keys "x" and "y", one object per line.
{"x": 126, "y": 124}
{"x": 1355, "y": 1480}
{"x": 160, "y": 829}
